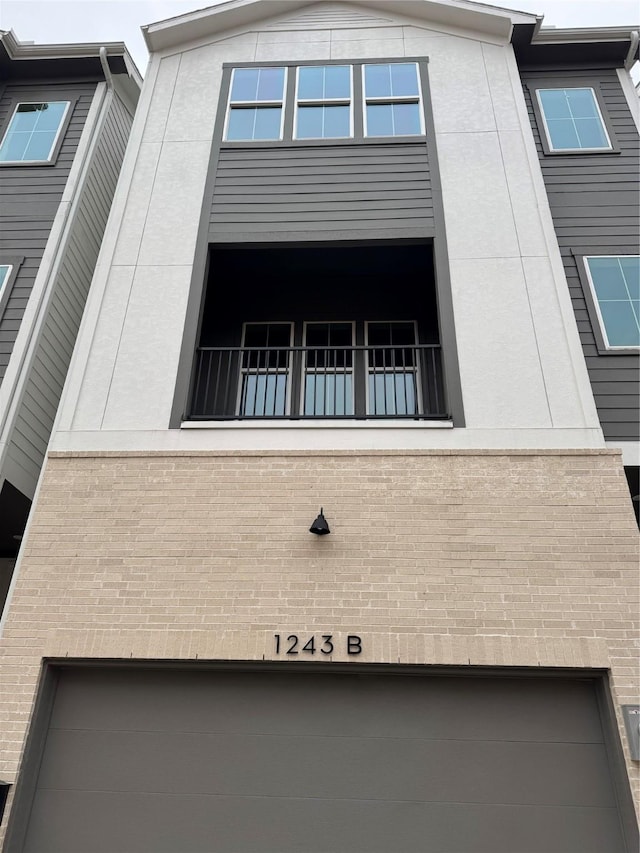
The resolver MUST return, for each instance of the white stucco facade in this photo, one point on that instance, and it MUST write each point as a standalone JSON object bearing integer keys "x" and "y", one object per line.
{"x": 523, "y": 377}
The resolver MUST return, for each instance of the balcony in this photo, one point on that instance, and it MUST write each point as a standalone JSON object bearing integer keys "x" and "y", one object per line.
{"x": 315, "y": 382}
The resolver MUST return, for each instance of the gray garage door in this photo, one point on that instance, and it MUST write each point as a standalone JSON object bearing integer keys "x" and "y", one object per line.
{"x": 180, "y": 761}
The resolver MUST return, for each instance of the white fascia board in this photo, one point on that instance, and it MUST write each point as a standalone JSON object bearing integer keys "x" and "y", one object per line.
{"x": 583, "y": 35}
{"x": 238, "y": 14}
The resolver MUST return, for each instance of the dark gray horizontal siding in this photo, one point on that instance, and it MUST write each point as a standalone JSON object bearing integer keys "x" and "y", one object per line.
{"x": 594, "y": 200}
{"x": 301, "y": 193}
{"x": 29, "y": 199}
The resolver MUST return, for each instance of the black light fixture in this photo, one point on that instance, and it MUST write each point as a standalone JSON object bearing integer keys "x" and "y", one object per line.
{"x": 320, "y": 526}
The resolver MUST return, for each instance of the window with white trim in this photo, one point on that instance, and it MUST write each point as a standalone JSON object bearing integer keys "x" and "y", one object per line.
{"x": 328, "y": 370}
{"x": 573, "y": 120}
{"x": 323, "y": 102}
{"x": 256, "y": 101}
{"x": 332, "y": 101}
{"x": 33, "y": 132}
{"x": 392, "y": 100}
{"x": 615, "y": 286}
{"x": 5, "y": 272}
{"x": 265, "y": 370}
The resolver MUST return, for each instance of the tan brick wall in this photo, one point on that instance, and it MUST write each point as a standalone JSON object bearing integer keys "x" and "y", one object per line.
{"x": 510, "y": 558}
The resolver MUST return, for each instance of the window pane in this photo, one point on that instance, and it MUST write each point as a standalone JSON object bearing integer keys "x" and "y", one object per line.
{"x": 49, "y": 115}
{"x": 5, "y": 269}
{"x": 39, "y": 146}
{"x": 264, "y": 395}
{"x": 631, "y": 271}
{"x": 337, "y": 81}
{"x": 591, "y": 133}
{"x": 392, "y": 394}
{"x": 608, "y": 279}
{"x": 406, "y": 120}
{"x": 379, "y": 120}
{"x": 563, "y": 134}
{"x": 267, "y": 124}
{"x": 257, "y": 84}
{"x": 582, "y": 103}
{"x": 377, "y": 81}
{"x": 323, "y": 122}
{"x": 554, "y": 103}
{"x": 404, "y": 80}
{"x": 320, "y": 82}
{"x": 254, "y": 123}
{"x": 328, "y": 394}
{"x": 245, "y": 84}
{"x": 621, "y": 324}
{"x": 270, "y": 84}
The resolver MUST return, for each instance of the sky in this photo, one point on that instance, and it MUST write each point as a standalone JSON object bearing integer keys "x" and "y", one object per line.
{"x": 60, "y": 21}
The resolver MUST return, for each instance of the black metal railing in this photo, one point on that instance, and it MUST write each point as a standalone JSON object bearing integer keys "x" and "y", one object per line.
{"x": 362, "y": 382}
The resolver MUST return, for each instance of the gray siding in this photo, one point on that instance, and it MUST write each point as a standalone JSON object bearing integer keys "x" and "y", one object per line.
{"x": 307, "y": 193}
{"x": 594, "y": 204}
{"x": 55, "y": 346}
{"x": 29, "y": 199}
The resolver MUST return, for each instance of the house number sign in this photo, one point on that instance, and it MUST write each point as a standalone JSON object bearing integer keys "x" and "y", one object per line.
{"x": 322, "y": 644}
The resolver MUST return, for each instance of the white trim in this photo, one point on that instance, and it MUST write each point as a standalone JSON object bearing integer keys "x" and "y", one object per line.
{"x": 49, "y": 157}
{"x": 596, "y": 302}
{"x": 630, "y": 452}
{"x": 608, "y": 147}
{"x": 631, "y": 95}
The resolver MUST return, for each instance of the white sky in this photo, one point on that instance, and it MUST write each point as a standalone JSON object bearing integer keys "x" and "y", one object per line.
{"x": 60, "y": 21}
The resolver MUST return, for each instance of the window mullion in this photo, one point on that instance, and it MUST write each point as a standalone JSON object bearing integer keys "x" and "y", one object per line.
{"x": 358, "y": 105}
{"x": 289, "y": 105}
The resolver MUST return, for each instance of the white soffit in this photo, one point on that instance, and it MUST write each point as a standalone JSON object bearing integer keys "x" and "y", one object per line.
{"x": 244, "y": 14}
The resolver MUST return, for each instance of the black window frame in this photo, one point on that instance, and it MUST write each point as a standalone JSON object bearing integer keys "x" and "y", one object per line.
{"x": 571, "y": 83}
{"x": 357, "y": 103}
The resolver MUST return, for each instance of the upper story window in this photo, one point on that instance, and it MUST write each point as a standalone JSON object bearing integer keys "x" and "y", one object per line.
{"x": 392, "y": 100}
{"x": 5, "y": 272}
{"x": 33, "y": 132}
{"x": 573, "y": 120}
{"x": 615, "y": 285}
{"x": 256, "y": 101}
{"x": 323, "y": 102}
{"x": 331, "y": 101}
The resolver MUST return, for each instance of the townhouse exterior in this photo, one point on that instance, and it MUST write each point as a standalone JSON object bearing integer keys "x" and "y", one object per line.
{"x": 353, "y": 263}
{"x": 65, "y": 115}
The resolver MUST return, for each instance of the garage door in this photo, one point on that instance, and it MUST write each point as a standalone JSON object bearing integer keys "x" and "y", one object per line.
{"x": 274, "y": 761}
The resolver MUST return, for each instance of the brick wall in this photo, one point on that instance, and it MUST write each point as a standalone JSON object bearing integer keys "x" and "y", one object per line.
{"x": 477, "y": 557}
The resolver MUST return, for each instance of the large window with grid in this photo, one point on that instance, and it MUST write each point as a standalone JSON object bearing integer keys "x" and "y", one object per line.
{"x": 33, "y": 132}
{"x": 573, "y": 120}
{"x": 325, "y": 101}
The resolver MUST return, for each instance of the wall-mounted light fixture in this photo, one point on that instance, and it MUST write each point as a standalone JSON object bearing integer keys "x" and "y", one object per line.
{"x": 320, "y": 526}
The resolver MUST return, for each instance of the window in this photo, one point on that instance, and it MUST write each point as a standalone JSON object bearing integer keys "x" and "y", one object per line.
{"x": 330, "y": 101}
{"x": 323, "y": 102}
{"x": 265, "y": 370}
{"x": 33, "y": 132}
{"x": 392, "y": 100}
{"x": 573, "y": 120}
{"x": 256, "y": 104}
{"x": 328, "y": 370}
{"x": 615, "y": 287}
{"x": 392, "y": 371}
{"x": 5, "y": 272}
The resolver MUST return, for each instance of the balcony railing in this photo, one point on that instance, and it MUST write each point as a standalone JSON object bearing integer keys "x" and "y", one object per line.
{"x": 296, "y": 383}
